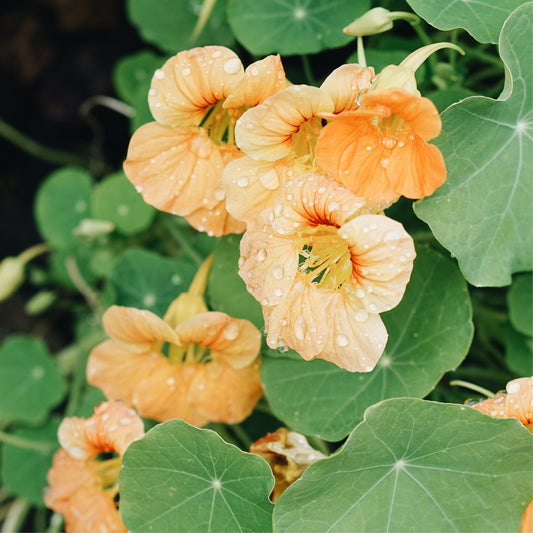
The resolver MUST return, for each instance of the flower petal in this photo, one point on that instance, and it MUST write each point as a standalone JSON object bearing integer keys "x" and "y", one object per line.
{"x": 266, "y": 131}
{"x": 237, "y": 341}
{"x": 215, "y": 221}
{"x": 261, "y": 80}
{"x": 177, "y": 171}
{"x": 191, "y": 82}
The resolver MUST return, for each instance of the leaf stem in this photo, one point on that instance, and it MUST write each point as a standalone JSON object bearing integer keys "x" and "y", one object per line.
{"x": 83, "y": 287}
{"x": 21, "y": 442}
{"x": 183, "y": 242}
{"x": 307, "y": 70}
{"x": 56, "y": 523}
{"x": 242, "y": 435}
{"x": 15, "y": 516}
{"x": 361, "y": 59}
{"x": 472, "y": 386}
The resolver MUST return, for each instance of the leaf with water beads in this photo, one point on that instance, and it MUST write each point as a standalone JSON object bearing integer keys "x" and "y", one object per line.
{"x": 429, "y": 334}
{"x": 483, "y": 214}
{"x": 416, "y": 466}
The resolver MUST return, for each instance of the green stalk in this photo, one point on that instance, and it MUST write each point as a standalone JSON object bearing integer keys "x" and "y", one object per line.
{"x": 15, "y": 516}
{"x": 21, "y": 442}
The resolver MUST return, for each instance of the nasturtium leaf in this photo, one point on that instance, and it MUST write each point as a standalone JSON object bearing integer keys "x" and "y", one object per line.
{"x": 116, "y": 200}
{"x": 483, "y": 19}
{"x": 414, "y": 465}
{"x": 227, "y": 291}
{"x": 30, "y": 381}
{"x": 483, "y": 214}
{"x": 146, "y": 280}
{"x": 169, "y": 24}
{"x": 446, "y": 97}
{"x": 62, "y": 202}
{"x": 429, "y": 334}
{"x": 298, "y": 27}
{"x": 520, "y": 302}
{"x": 24, "y": 467}
{"x": 519, "y": 352}
{"x": 180, "y": 478}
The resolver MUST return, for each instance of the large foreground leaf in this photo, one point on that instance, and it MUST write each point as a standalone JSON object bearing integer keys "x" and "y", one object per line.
{"x": 429, "y": 334}
{"x": 483, "y": 19}
{"x": 483, "y": 212}
{"x": 179, "y": 478}
{"x": 416, "y": 466}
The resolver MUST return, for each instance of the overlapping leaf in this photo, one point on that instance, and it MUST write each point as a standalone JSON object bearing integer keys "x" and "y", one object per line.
{"x": 483, "y": 214}
{"x": 179, "y": 478}
{"x": 520, "y": 301}
{"x": 429, "y": 334}
{"x": 416, "y": 466}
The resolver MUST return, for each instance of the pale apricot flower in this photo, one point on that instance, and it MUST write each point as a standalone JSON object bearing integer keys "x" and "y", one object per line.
{"x": 288, "y": 453}
{"x": 210, "y": 371}
{"x": 323, "y": 266}
{"x": 197, "y": 96}
{"x": 81, "y": 487}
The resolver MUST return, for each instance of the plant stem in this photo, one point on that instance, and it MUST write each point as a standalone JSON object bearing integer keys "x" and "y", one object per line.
{"x": 21, "y": 442}
{"x": 318, "y": 444}
{"x": 361, "y": 59}
{"x": 56, "y": 523}
{"x": 242, "y": 436}
{"x": 307, "y": 70}
{"x": 38, "y": 150}
{"x": 222, "y": 430}
{"x": 472, "y": 386}
{"x": 83, "y": 287}
{"x": 183, "y": 242}
{"x": 484, "y": 56}
{"x": 15, "y": 516}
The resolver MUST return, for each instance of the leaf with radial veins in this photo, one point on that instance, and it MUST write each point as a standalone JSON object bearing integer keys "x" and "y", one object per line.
{"x": 429, "y": 334}
{"x": 483, "y": 214}
{"x": 415, "y": 466}
{"x": 181, "y": 478}
{"x": 483, "y": 19}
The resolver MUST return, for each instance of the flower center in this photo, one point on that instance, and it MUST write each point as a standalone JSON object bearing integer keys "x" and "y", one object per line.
{"x": 108, "y": 470}
{"x": 391, "y": 126}
{"x": 325, "y": 258}
{"x": 220, "y": 123}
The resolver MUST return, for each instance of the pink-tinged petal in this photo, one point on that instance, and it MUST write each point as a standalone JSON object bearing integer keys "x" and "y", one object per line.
{"x": 351, "y": 151}
{"x": 190, "y": 82}
{"x": 312, "y": 200}
{"x": 415, "y": 168}
{"x": 329, "y": 325}
{"x": 137, "y": 327}
{"x": 215, "y": 221}
{"x": 261, "y": 80}
{"x": 235, "y": 340}
{"x": 382, "y": 255}
{"x": 222, "y": 393}
{"x": 519, "y": 400}
{"x": 116, "y": 370}
{"x": 266, "y": 131}
{"x": 268, "y": 264}
{"x": 252, "y": 186}
{"x": 345, "y": 85}
{"x": 177, "y": 171}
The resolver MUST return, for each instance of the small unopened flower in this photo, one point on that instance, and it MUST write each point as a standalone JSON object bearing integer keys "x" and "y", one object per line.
{"x": 323, "y": 266}
{"x": 288, "y": 453}
{"x": 80, "y": 486}
{"x": 197, "y": 96}
{"x": 194, "y": 364}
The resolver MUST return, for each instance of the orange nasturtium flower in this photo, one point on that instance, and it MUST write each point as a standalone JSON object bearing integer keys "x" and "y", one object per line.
{"x": 81, "y": 487}
{"x": 210, "y": 371}
{"x": 288, "y": 453}
{"x": 323, "y": 267}
{"x": 176, "y": 162}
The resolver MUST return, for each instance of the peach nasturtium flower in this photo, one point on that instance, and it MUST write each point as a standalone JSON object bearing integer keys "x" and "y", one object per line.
{"x": 323, "y": 266}
{"x": 379, "y": 151}
{"x": 210, "y": 371}
{"x": 81, "y": 487}
{"x": 176, "y": 162}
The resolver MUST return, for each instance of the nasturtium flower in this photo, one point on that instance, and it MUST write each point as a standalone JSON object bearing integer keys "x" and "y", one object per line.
{"x": 176, "y": 162}
{"x": 323, "y": 266}
{"x": 288, "y": 453}
{"x": 380, "y": 151}
{"x": 80, "y": 486}
{"x": 194, "y": 364}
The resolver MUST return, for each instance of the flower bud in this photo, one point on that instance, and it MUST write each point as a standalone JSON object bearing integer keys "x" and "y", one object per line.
{"x": 377, "y": 20}
{"x": 92, "y": 227}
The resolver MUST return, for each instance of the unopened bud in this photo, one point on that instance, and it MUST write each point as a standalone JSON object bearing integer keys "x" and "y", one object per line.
{"x": 378, "y": 20}
{"x": 92, "y": 227}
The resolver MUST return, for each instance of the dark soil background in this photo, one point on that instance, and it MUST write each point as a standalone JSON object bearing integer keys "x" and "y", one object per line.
{"x": 54, "y": 56}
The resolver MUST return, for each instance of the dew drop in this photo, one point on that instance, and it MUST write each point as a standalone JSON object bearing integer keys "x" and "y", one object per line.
{"x": 254, "y": 71}
{"x": 232, "y": 66}
{"x": 242, "y": 182}
{"x": 186, "y": 71}
{"x": 341, "y": 340}
{"x": 278, "y": 292}
{"x": 278, "y": 272}
{"x": 361, "y": 315}
{"x": 373, "y": 308}
{"x": 231, "y": 331}
{"x": 261, "y": 255}
{"x": 360, "y": 293}
{"x": 270, "y": 180}
{"x": 385, "y": 162}
{"x": 388, "y": 142}
{"x": 159, "y": 74}
{"x": 391, "y": 236}
{"x": 152, "y": 92}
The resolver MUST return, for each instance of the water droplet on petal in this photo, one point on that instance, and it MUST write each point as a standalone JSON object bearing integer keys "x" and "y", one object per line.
{"x": 385, "y": 162}
{"x": 186, "y": 71}
{"x": 361, "y": 315}
{"x": 341, "y": 340}
{"x": 231, "y": 331}
{"x": 159, "y": 74}
{"x": 242, "y": 182}
{"x": 261, "y": 255}
{"x": 232, "y": 66}
{"x": 278, "y": 272}
{"x": 270, "y": 180}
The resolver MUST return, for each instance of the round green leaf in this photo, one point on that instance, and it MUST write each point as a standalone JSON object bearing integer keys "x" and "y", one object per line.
{"x": 116, "y": 200}
{"x": 483, "y": 214}
{"x": 179, "y": 478}
{"x": 29, "y": 380}
{"x": 24, "y": 466}
{"x": 429, "y": 334}
{"x": 299, "y": 27}
{"x": 416, "y": 466}
{"x": 520, "y": 302}
{"x": 169, "y": 23}
{"x": 483, "y": 19}
{"x": 62, "y": 202}
{"x": 226, "y": 289}
{"x": 519, "y": 352}
{"x": 146, "y": 280}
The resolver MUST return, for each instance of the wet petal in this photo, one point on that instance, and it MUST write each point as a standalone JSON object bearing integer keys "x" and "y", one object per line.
{"x": 519, "y": 400}
{"x": 265, "y": 132}
{"x": 345, "y": 85}
{"x": 215, "y": 221}
{"x": 261, "y": 80}
{"x": 190, "y": 82}
{"x": 177, "y": 171}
